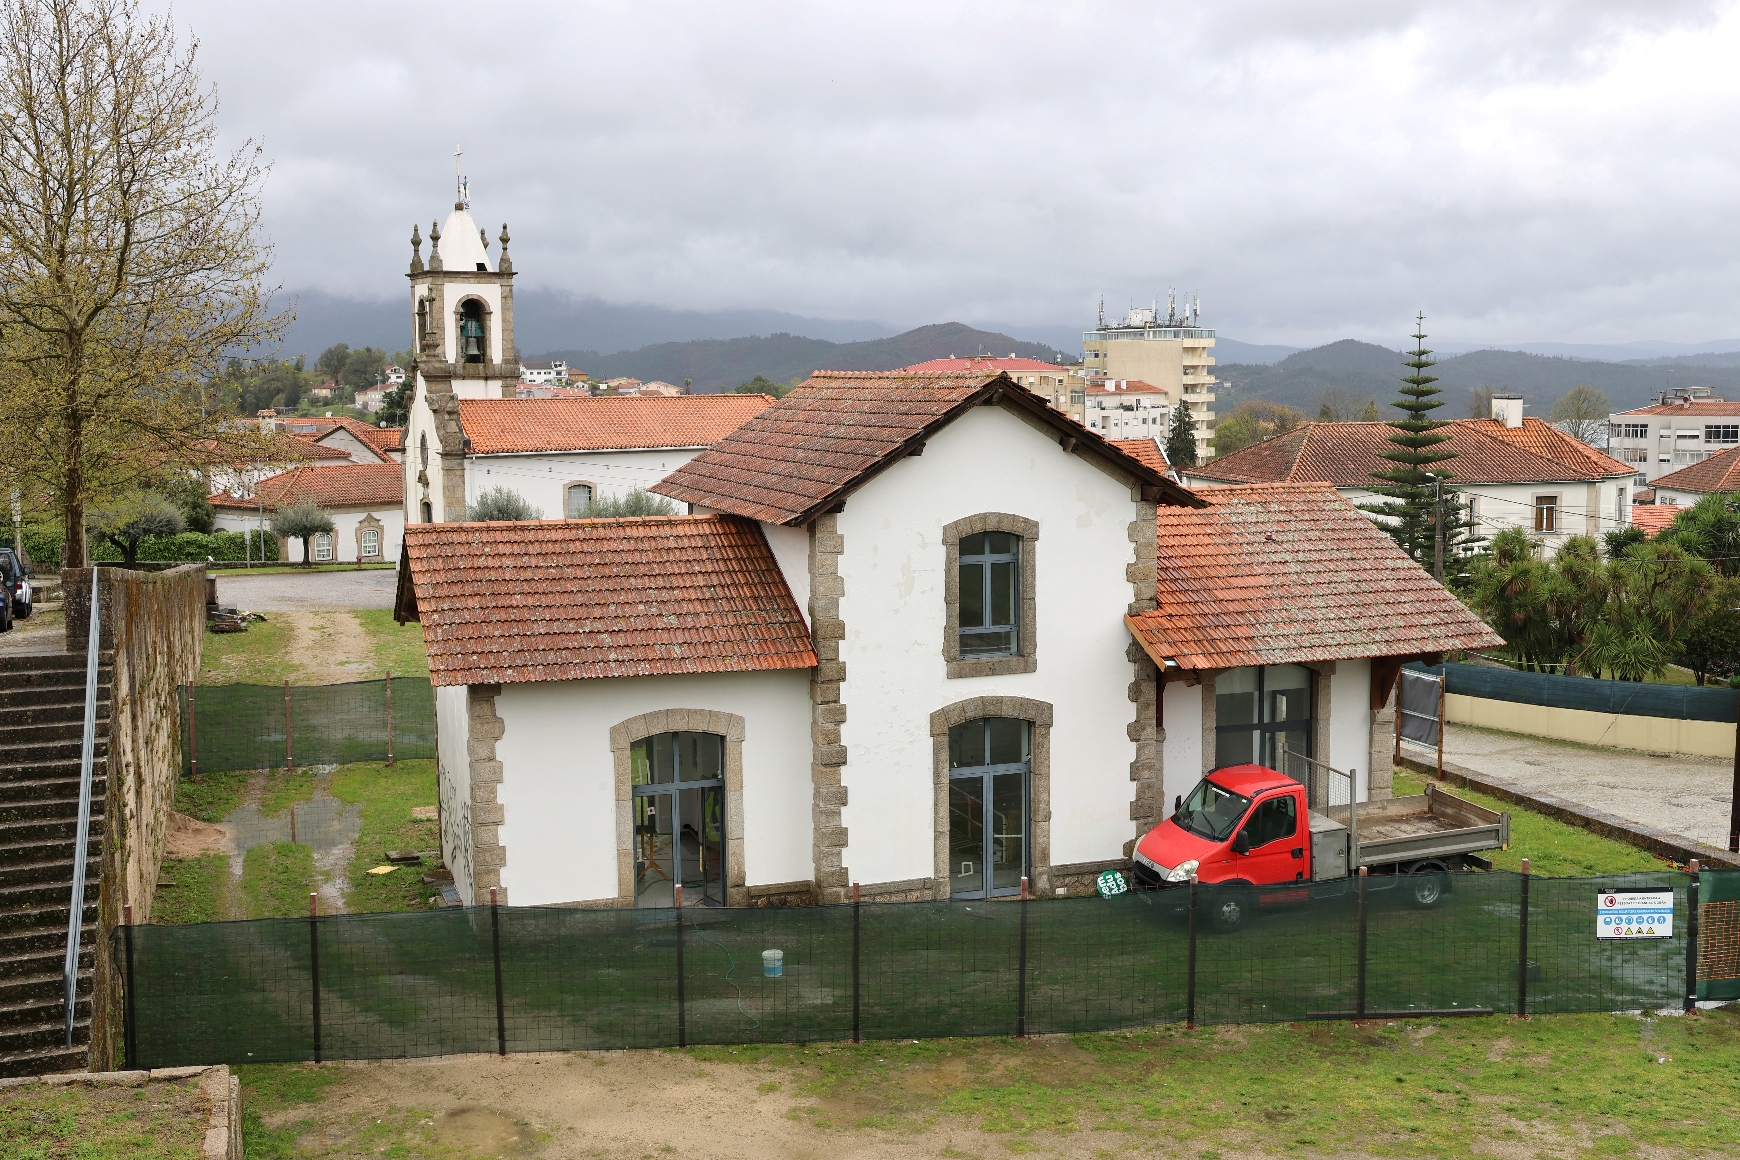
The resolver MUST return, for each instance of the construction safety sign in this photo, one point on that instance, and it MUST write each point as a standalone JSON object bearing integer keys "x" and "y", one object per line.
{"x": 1634, "y": 914}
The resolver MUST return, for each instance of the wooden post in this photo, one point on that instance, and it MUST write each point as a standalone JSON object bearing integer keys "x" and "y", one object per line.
{"x": 390, "y": 723}
{"x": 288, "y": 762}
{"x": 192, "y": 733}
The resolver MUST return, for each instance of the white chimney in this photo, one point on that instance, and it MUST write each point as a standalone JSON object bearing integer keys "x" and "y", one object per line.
{"x": 1508, "y": 409}
{"x": 268, "y": 421}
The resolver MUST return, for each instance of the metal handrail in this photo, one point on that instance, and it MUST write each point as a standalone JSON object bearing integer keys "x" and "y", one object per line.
{"x": 1352, "y": 799}
{"x": 81, "y": 843}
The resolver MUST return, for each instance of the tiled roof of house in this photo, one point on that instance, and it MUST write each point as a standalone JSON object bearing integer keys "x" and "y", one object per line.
{"x": 555, "y": 600}
{"x": 379, "y": 439}
{"x": 1719, "y": 473}
{"x": 1654, "y": 518}
{"x": 978, "y": 363}
{"x": 606, "y": 423}
{"x": 1543, "y": 438}
{"x": 808, "y": 451}
{"x": 1347, "y": 454}
{"x": 1146, "y": 451}
{"x": 1280, "y": 574}
{"x": 1122, "y": 387}
{"x": 371, "y": 485}
{"x": 1713, "y": 408}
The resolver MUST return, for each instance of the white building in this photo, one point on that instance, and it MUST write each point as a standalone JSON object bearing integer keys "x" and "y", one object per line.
{"x": 1682, "y": 427}
{"x": 1126, "y": 409}
{"x": 1174, "y": 353}
{"x": 366, "y": 502}
{"x": 925, "y": 654}
{"x": 1512, "y": 471}
{"x": 554, "y": 372}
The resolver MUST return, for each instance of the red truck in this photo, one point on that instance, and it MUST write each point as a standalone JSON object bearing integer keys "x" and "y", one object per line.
{"x": 1250, "y": 826}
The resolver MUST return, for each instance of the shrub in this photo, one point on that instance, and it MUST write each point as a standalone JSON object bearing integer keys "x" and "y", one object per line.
{"x": 499, "y": 503}
{"x": 638, "y": 502}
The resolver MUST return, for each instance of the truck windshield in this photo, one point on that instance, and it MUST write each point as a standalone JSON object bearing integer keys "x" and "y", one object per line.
{"x": 1212, "y": 812}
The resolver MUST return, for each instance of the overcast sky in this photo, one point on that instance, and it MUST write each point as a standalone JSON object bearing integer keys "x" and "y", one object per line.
{"x": 1521, "y": 172}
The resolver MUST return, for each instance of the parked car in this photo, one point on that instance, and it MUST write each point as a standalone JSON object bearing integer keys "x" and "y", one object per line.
{"x": 10, "y": 576}
{"x": 17, "y": 584}
{"x": 1250, "y": 827}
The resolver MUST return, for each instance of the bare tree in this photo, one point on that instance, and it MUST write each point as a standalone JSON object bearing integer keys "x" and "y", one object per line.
{"x": 130, "y": 255}
{"x": 1581, "y": 413}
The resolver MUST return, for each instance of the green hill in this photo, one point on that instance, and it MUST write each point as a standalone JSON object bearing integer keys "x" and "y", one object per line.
{"x": 720, "y": 364}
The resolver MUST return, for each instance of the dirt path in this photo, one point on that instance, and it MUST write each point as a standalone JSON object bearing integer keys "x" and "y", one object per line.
{"x": 329, "y": 648}
{"x": 230, "y": 904}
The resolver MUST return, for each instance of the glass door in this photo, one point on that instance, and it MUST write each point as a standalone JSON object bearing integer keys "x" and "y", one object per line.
{"x": 678, "y": 782}
{"x": 989, "y": 768}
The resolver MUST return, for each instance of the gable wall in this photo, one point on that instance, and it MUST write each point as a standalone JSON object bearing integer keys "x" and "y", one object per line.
{"x": 892, "y": 568}
{"x": 360, "y": 452}
{"x": 542, "y": 479}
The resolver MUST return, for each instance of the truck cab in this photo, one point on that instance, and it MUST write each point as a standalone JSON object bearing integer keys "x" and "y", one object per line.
{"x": 1243, "y": 823}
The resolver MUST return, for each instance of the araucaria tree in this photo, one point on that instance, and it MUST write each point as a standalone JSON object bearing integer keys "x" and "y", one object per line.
{"x": 1409, "y": 513}
{"x": 130, "y": 256}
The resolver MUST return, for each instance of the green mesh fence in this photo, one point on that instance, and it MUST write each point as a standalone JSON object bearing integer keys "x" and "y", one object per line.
{"x": 227, "y": 727}
{"x": 376, "y": 986}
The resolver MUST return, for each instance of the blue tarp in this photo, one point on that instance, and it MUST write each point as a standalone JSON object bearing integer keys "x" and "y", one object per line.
{"x": 1682, "y": 702}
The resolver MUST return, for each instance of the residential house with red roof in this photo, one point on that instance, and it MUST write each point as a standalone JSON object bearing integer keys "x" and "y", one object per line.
{"x": 1719, "y": 474}
{"x": 920, "y": 632}
{"x": 366, "y": 500}
{"x": 364, "y": 442}
{"x": 1062, "y": 386}
{"x": 1510, "y": 471}
{"x": 1683, "y": 426}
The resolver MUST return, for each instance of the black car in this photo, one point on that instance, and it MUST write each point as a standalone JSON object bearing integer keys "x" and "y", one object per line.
{"x": 17, "y": 581}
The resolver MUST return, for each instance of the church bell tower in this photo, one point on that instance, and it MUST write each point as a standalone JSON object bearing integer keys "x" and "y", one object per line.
{"x": 462, "y": 311}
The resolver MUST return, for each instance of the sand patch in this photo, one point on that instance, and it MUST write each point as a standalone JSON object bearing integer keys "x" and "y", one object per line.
{"x": 190, "y": 838}
{"x": 330, "y": 648}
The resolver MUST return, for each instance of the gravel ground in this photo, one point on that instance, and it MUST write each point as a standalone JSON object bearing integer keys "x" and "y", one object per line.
{"x": 312, "y": 592}
{"x": 1686, "y": 795}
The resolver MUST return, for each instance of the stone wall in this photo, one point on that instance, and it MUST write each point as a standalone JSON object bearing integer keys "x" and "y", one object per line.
{"x": 153, "y": 624}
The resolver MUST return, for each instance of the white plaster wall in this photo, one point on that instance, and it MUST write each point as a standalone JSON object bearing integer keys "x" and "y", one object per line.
{"x": 558, "y": 788}
{"x": 345, "y": 521}
{"x": 420, "y": 424}
{"x": 542, "y": 479}
{"x": 453, "y": 783}
{"x": 791, "y": 551}
{"x": 1181, "y": 754}
{"x": 1349, "y": 732}
{"x": 986, "y": 461}
{"x": 1584, "y": 509}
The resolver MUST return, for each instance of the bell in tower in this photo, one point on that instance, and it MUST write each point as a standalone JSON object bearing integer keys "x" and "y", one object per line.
{"x": 471, "y": 334}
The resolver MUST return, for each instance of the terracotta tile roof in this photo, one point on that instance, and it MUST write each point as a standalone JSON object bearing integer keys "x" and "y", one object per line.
{"x": 1643, "y": 495}
{"x": 1701, "y": 407}
{"x": 811, "y": 449}
{"x": 1654, "y": 518}
{"x": 372, "y": 485}
{"x": 1146, "y": 451}
{"x": 975, "y": 364}
{"x": 1720, "y": 472}
{"x": 1346, "y": 454}
{"x": 380, "y": 439}
{"x": 1122, "y": 387}
{"x": 1543, "y": 438}
{"x": 562, "y": 600}
{"x": 1280, "y": 574}
{"x": 606, "y": 423}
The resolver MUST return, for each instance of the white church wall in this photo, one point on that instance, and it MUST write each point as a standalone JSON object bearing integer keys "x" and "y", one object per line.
{"x": 791, "y": 551}
{"x": 558, "y": 789}
{"x": 543, "y": 479}
{"x": 987, "y": 461}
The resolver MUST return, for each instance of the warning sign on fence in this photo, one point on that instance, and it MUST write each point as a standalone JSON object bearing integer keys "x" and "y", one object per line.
{"x": 1634, "y": 914}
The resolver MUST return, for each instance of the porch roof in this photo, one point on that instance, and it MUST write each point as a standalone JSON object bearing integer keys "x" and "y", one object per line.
{"x": 558, "y": 600}
{"x": 1272, "y": 574}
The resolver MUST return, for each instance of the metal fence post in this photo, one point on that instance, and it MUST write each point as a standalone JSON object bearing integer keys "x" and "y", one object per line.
{"x": 1190, "y": 972}
{"x": 1359, "y": 986}
{"x": 1692, "y": 941}
{"x": 192, "y": 732}
{"x": 495, "y": 946}
{"x": 314, "y": 963}
{"x": 288, "y": 763}
{"x": 857, "y": 1027}
{"x": 130, "y": 1027}
{"x": 1021, "y": 969}
{"x": 1441, "y": 680}
{"x": 389, "y": 718}
{"x": 1522, "y": 952}
{"x": 682, "y": 998}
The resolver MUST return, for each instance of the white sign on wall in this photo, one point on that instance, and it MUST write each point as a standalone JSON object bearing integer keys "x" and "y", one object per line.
{"x": 1634, "y": 914}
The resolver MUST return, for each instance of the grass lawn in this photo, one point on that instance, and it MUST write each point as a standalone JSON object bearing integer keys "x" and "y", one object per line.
{"x": 211, "y": 796}
{"x": 277, "y": 879}
{"x": 1576, "y": 1086}
{"x": 1552, "y": 847}
{"x": 165, "y": 1121}
{"x": 196, "y": 893}
{"x": 254, "y": 657}
{"x": 398, "y": 648}
{"x": 315, "y": 647}
{"x": 387, "y": 795}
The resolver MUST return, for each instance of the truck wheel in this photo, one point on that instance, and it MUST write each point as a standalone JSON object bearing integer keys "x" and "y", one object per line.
{"x": 1427, "y": 887}
{"x": 1232, "y": 909}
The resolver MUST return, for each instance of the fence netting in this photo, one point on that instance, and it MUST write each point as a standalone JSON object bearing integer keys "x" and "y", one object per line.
{"x": 226, "y": 727}
{"x": 1638, "y": 698}
{"x": 374, "y": 986}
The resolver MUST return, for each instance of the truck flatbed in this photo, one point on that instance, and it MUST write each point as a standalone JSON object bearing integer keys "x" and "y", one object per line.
{"x": 1433, "y": 826}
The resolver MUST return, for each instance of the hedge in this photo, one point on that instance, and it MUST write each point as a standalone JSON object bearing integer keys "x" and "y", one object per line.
{"x": 184, "y": 547}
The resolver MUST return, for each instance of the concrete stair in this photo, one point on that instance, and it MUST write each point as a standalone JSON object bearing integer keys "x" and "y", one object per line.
{"x": 42, "y": 710}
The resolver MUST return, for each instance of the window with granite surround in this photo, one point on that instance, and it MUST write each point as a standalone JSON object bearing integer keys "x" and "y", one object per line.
{"x": 989, "y": 627}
